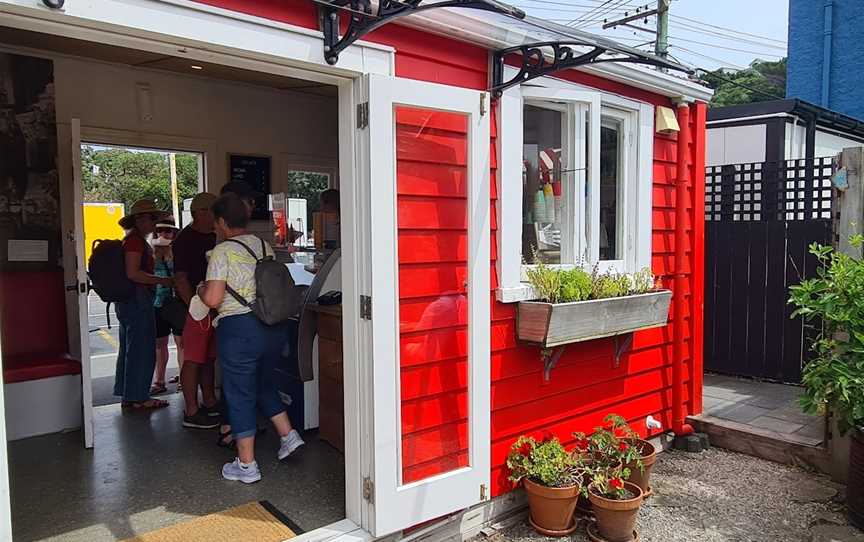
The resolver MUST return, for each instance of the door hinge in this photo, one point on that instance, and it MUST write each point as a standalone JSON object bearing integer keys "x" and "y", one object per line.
{"x": 366, "y": 307}
{"x": 362, "y": 115}
{"x": 369, "y": 490}
{"x": 483, "y": 492}
{"x": 483, "y": 97}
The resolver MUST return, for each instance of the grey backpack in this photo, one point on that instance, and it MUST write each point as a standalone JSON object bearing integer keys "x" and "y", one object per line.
{"x": 274, "y": 302}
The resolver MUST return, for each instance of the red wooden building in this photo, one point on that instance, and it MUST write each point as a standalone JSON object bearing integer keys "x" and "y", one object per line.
{"x": 443, "y": 133}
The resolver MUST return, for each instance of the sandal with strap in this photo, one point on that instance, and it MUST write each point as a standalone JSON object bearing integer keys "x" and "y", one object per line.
{"x": 225, "y": 440}
{"x": 158, "y": 388}
{"x": 150, "y": 404}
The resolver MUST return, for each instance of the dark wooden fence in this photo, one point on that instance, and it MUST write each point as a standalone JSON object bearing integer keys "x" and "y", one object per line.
{"x": 760, "y": 220}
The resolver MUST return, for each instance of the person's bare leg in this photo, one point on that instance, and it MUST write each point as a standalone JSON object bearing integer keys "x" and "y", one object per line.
{"x": 246, "y": 449}
{"x": 207, "y": 378}
{"x": 178, "y": 341}
{"x": 189, "y": 381}
{"x": 282, "y": 424}
{"x": 161, "y": 360}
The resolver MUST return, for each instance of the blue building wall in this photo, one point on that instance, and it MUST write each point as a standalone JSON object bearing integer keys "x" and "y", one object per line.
{"x": 845, "y": 74}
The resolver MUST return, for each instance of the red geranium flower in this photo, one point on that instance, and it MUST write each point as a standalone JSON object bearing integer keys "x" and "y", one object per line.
{"x": 582, "y": 444}
{"x": 623, "y": 447}
{"x": 619, "y": 433}
{"x": 525, "y": 449}
{"x": 616, "y": 483}
{"x": 547, "y": 436}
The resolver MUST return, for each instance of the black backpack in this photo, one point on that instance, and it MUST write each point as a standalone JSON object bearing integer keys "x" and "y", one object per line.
{"x": 274, "y": 302}
{"x": 107, "y": 271}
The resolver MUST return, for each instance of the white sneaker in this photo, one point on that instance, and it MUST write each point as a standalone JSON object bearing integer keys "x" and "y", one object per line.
{"x": 290, "y": 443}
{"x": 240, "y": 472}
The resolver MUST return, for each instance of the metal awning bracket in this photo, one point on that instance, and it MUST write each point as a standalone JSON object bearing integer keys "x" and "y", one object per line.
{"x": 545, "y": 58}
{"x": 364, "y": 18}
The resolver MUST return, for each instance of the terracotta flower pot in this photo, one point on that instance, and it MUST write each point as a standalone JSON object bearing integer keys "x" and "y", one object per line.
{"x": 551, "y": 508}
{"x": 642, "y": 477}
{"x": 616, "y": 520}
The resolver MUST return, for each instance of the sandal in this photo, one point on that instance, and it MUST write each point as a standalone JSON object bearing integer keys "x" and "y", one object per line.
{"x": 150, "y": 404}
{"x": 225, "y": 440}
{"x": 158, "y": 388}
{"x": 174, "y": 379}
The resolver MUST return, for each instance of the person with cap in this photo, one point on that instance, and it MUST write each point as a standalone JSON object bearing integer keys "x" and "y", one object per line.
{"x": 136, "y": 358}
{"x": 165, "y": 326}
{"x": 199, "y": 347}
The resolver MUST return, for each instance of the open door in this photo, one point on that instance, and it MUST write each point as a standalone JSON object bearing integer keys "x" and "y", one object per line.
{"x": 83, "y": 313}
{"x": 427, "y": 148}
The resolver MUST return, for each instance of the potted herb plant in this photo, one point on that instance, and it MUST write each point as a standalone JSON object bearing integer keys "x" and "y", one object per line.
{"x": 574, "y": 305}
{"x": 616, "y": 504}
{"x": 551, "y": 480}
{"x": 834, "y": 379}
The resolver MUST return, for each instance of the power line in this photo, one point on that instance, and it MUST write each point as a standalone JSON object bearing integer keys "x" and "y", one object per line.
{"x": 688, "y": 28}
{"x": 724, "y": 47}
{"x": 591, "y": 13}
{"x": 727, "y": 29}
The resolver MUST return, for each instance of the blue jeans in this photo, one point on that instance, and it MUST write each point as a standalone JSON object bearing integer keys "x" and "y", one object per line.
{"x": 137, "y": 356}
{"x": 248, "y": 354}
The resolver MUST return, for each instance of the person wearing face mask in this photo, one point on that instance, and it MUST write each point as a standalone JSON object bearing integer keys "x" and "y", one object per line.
{"x": 163, "y": 257}
{"x": 136, "y": 358}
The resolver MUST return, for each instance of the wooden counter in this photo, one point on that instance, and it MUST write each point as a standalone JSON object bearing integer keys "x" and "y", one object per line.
{"x": 331, "y": 390}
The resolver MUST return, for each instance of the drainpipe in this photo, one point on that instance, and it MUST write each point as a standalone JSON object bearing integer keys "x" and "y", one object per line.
{"x": 827, "y": 45}
{"x": 680, "y": 278}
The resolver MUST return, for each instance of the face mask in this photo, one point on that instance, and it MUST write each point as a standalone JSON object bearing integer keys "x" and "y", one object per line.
{"x": 161, "y": 242}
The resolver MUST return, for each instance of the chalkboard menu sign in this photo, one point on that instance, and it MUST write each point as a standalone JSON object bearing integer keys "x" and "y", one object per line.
{"x": 254, "y": 171}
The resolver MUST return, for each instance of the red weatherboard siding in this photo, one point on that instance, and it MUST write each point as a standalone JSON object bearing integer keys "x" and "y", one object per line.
{"x": 584, "y": 386}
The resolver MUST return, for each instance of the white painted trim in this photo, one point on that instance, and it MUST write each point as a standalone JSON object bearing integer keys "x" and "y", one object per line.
{"x": 83, "y": 305}
{"x": 340, "y": 531}
{"x": 398, "y": 505}
{"x": 196, "y": 31}
{"x": 637, "y": 122}
{"x": 5, "y": 497}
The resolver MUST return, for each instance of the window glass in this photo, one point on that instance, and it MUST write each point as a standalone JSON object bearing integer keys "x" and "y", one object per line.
{"x": 543, "y": 207}
{"x": 610, "y": 182}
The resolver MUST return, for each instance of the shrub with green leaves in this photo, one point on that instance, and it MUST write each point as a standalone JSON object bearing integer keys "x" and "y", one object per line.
{"x": 834, "y": 301}
{"x": 575, "y": 285}
{"x": 546, "y": 463}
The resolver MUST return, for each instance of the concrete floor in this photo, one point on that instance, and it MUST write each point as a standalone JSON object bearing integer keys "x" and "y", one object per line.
{"x": 147, "y": 472}
{"x": 772, "y": 407}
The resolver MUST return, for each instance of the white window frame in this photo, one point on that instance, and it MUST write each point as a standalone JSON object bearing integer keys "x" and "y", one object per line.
{"x": 636, "y": 120}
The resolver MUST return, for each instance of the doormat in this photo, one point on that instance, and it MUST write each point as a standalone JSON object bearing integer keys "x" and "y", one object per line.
{"x": 259, "y": 521}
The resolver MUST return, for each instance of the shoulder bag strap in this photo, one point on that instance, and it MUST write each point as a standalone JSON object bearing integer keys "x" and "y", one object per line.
{"x": 240, "y": 299}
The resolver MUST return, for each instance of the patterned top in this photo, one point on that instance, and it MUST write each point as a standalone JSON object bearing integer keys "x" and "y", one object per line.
{"x": 232, "y": 263}
{"x": 163, "y": 268}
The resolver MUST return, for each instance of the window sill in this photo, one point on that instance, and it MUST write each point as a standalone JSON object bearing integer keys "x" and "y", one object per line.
{"x": 515, "y": 294}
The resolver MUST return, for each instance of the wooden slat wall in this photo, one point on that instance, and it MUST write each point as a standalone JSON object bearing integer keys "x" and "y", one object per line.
{"x": 585, "y": 386}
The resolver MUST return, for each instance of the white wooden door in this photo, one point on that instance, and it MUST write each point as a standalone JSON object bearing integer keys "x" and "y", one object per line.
{"x": 425, "y": 150}
{"x": 83, "y": 313}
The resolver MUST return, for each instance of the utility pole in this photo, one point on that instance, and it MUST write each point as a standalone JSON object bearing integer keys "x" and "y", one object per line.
{"x": 175, "y": 204}
{"x": 661, "y": 46}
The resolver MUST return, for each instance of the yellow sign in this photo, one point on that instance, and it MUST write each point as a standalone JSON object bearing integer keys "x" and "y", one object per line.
{"x": 100, "y": 222}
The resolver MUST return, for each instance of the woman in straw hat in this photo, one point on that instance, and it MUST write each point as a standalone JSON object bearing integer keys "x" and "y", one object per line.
{"x": 137, "y": 356}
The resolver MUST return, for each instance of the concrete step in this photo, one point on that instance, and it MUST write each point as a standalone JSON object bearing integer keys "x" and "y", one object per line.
{"x": 771, "y": 445}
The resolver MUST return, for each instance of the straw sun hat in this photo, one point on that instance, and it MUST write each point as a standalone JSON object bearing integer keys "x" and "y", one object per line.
{"x": 142, "y": 207}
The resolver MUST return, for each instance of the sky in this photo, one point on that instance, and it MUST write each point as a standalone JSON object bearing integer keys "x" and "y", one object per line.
{"x": 704, "y": 33}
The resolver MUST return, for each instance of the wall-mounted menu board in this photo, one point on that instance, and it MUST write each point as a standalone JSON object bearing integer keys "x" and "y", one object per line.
{"x": 254, "y": 171}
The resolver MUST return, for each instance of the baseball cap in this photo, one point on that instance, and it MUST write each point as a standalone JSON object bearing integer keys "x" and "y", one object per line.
{"x": 202, "y": 202}
{"x": 240, "y": 189}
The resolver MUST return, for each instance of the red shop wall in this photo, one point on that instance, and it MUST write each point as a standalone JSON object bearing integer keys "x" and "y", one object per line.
{"x": 584, "y": 386}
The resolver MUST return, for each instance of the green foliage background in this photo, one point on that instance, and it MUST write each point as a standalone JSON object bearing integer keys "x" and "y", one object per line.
{"x": 762, "y": 81}
{"x": 125, "y": 176}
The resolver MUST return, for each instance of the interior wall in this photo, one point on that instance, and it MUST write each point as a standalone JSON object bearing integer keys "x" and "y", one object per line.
{"x": 827, "y": 143}
{"x": 735, "y": 144}
{"x": 186, "y": 112}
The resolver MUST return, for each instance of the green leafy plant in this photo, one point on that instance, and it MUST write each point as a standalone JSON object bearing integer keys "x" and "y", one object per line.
{"x": 546, "y": 462}
{"x": 609, "y": 445}
{"x": 554, "y": 285}
{"x": 834, "y": 299}
{"x": 609, "y": 482}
